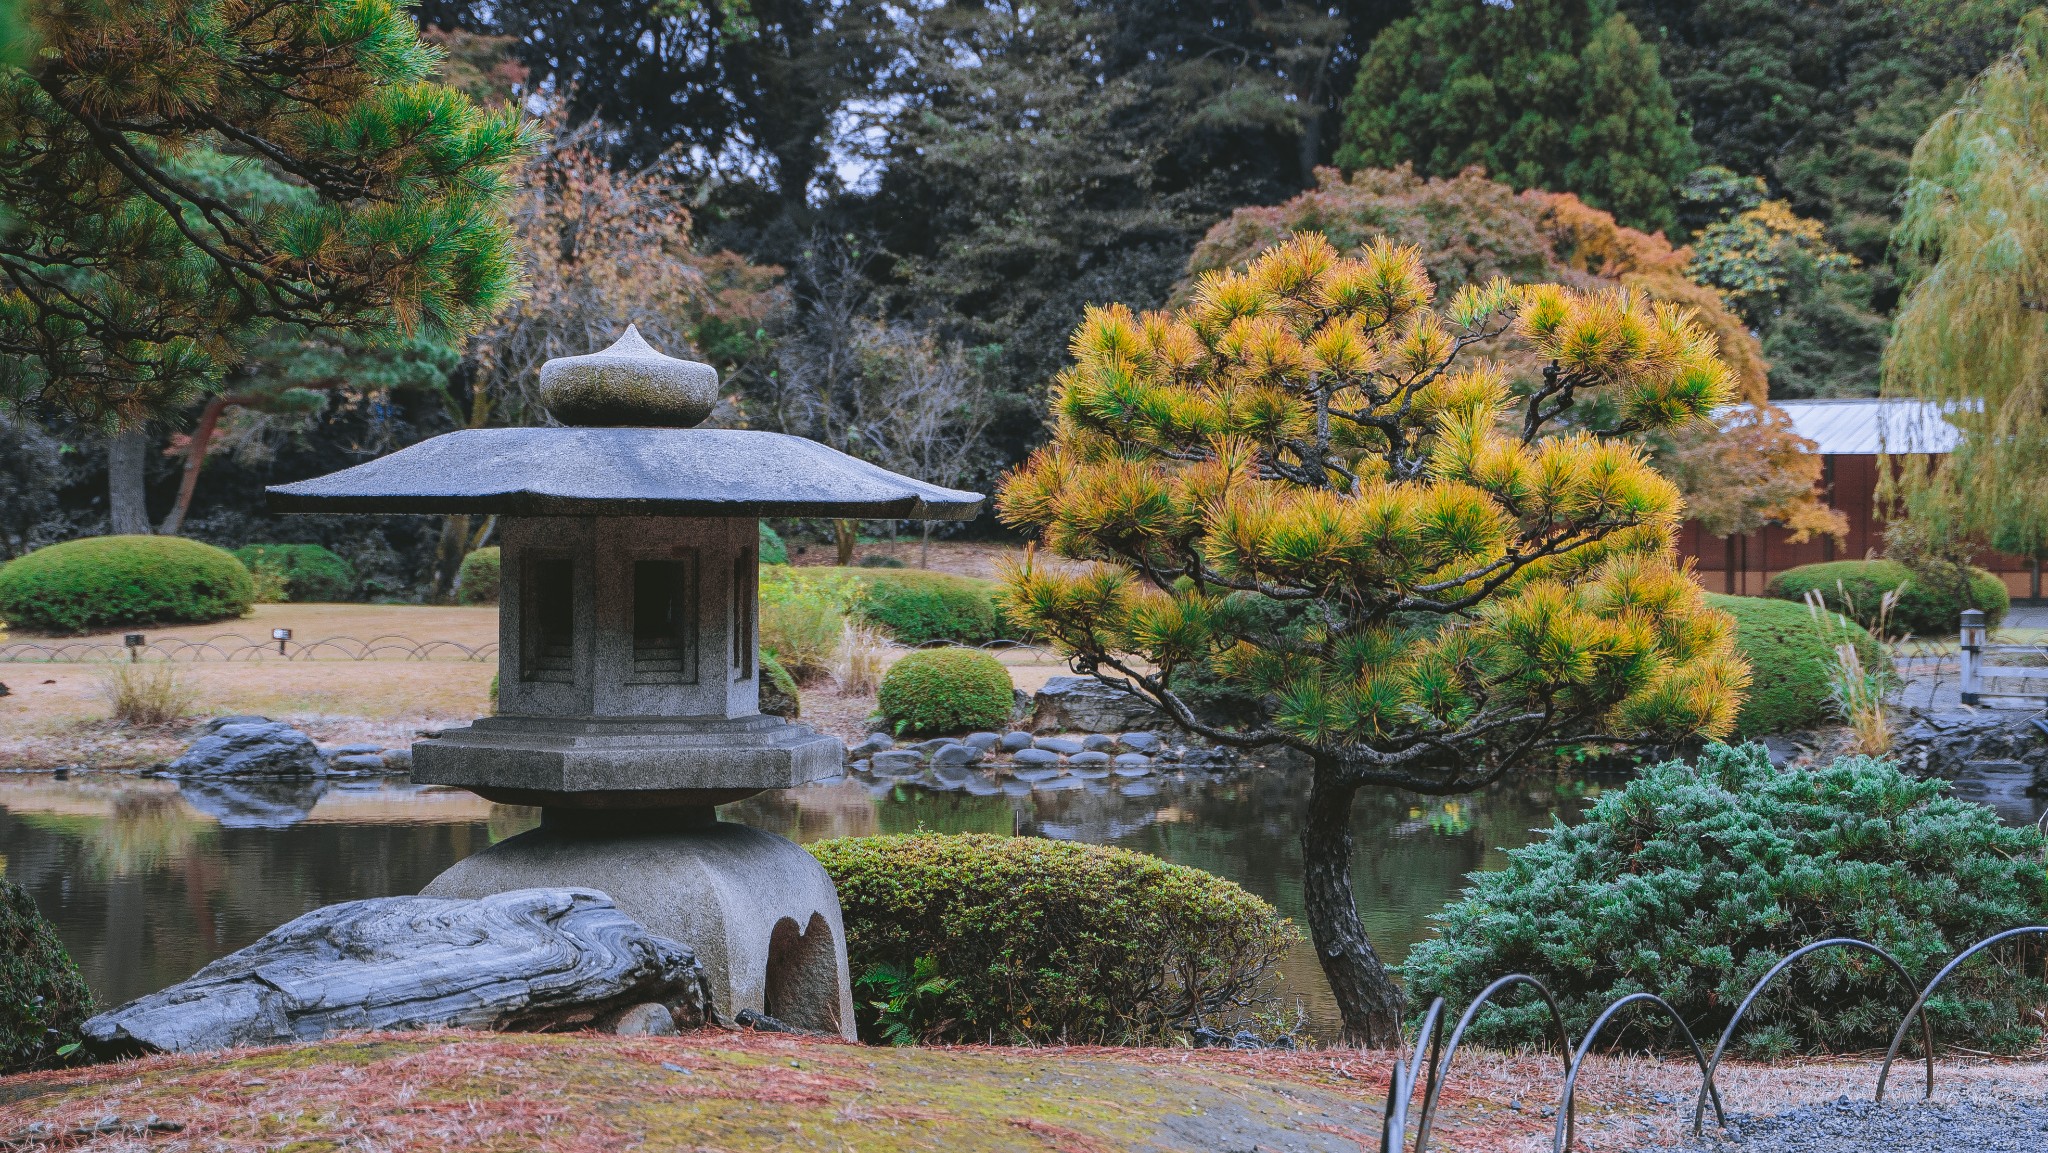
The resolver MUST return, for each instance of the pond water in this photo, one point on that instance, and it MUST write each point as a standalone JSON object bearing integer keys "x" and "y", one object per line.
{"x": 146, "y": 880}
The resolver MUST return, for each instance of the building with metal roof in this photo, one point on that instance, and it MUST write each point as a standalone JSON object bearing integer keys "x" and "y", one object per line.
{"x": 1850, "y": 435}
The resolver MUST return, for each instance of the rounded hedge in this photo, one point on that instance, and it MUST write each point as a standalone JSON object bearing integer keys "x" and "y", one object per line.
{"x": 772, "y": 550}
{"x": 1789, "y": 662}
{"x": 1026, "y": 940}
{"x": 476, "y": 582}
{"x": 918, "y": 607}
{"x": 1692, "y": 882}
{"x": 311, "y": 572}
{"x": 1924, "y": 608}
{"x": 118, "y": 581}
{"x": 40, "y": 989}
{"x": 946, "y": 691}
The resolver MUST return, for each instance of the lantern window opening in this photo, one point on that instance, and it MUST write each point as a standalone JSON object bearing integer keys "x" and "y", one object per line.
{"x": 549, "y": 609}
{"x": 665, "y": 607}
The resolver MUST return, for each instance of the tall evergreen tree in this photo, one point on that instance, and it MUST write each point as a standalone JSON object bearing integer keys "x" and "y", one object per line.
{"x": 1557, "y": 94}
{"x": 137, "y": 272}
{"x": 1825, "y": 97}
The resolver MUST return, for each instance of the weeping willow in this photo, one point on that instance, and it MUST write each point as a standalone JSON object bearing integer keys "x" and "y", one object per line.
{"x": 1972, "y": 334}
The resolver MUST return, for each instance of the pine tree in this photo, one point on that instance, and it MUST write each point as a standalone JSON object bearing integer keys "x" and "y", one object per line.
{"x": 1305, "y": 483}
{"x": 1973, "y": 243}
{"x": 1556, "y": 94}
{"x": 141, "y": 263}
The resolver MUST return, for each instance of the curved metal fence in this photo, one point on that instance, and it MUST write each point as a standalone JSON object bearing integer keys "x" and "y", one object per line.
{"x": 236, "y": 647}
{"x": 1413, "y": 1073}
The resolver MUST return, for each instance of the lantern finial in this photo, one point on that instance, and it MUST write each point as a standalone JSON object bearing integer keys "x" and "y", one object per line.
{"x": 630, "y": 383}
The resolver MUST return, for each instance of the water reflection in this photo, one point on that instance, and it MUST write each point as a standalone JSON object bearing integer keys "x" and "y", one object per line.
{"x": 147, "y": 880}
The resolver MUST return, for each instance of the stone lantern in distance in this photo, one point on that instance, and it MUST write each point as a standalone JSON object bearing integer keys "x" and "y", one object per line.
{"x": 628, "y": 670}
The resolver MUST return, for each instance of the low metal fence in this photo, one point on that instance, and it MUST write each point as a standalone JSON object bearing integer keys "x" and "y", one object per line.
{"x": 1429, "y": 1075}
{"x": 236, "y": 647}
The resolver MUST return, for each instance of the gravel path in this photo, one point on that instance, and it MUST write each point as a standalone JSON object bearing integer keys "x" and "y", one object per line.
{"x": 1970, "y": 1123}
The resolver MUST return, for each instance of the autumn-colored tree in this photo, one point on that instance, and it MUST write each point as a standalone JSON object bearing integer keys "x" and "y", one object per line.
{"x": 1749, "y": 470}
{"x": 1307, "y": 482}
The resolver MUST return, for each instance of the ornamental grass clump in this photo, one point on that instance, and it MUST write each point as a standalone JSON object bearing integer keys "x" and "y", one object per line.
{"x": 1309, "y": 483}
{"x": 1693, "y": 881}
{"x": 980, "y": 938}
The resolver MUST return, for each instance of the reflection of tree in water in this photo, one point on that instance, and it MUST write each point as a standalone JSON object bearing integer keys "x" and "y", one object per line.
{"x": 148, "y": 831}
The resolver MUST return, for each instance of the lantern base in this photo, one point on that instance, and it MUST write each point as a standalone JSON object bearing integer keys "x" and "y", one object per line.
{"x": 638, "y": 763}
{"x": 760, "y": 913}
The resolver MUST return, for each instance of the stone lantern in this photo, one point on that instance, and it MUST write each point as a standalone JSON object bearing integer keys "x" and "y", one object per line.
{"x": 628, "y": 672}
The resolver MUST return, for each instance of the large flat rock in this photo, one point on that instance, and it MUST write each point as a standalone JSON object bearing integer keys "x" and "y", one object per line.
{"x": 529, "y": 959}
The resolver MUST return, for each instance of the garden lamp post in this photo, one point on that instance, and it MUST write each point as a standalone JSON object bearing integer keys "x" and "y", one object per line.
{"x": 628, "y": 675}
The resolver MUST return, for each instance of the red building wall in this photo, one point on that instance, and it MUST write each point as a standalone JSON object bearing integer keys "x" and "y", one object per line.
{"x": 1745, "y": 564}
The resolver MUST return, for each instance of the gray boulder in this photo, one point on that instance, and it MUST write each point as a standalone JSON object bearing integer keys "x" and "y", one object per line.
{"x": 1035, "y": 758}
{"x": 1015, "y": 740}
{"x": 241, "y": 747}
{"x": 1098, "y": 742}
{"x": 955, "y": 755}
{"x": 1994, "y": 756}
{"x": 1139, "y": 742}
{"x": 982, "y": 741}
{"x": 530, "y": 959}
{"x": 1086, "y": 705}
{"x": 1091, "y": 759}
{"x": 1064, "y": 746}
{"x": 897, "y": 762}
{"x": 873, "y": 743}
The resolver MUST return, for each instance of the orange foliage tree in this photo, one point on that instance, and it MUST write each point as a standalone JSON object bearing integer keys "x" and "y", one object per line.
{"x": 1745, "y": 471}
{"x": 1307, "y": 482}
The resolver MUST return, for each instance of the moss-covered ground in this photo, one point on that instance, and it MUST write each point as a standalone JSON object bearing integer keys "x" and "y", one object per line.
{"x": 738, "y": 1093}
{"x": 728, "y": 1092}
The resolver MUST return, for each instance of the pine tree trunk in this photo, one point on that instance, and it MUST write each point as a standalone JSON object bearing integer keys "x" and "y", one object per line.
{"x": 195, "y": 459}
{"x": 127, "y": 504}
{"x": 1367, "y": 998}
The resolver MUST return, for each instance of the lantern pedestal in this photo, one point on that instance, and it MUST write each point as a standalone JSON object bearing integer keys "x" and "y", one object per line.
{"x": 760, "y": 912}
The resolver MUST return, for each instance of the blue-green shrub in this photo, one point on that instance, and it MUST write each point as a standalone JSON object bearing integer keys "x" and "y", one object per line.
{"x": 1692, "y": 882}
{"x": 773, "y": 551}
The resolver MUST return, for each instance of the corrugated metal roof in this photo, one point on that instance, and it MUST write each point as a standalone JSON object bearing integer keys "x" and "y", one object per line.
{"x": 1866, "y": 427}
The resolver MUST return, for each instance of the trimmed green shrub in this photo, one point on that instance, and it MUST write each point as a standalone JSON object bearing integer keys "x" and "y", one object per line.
{"x": 1788, "y": 664}
{"x": 40, "y": 989}
{"x": 976, "y": 937}
{"x": 779, "y": 696}
{"x": 311, "y": 572}
{"x": 918, "y": 607}
{"x": 117, "y": 581}
{"x": 946, "y": 691}
{"x": 476, "y": 582}
{"x": 1692, "y": 882}
{"x": 1924, "y": 608}
{"x": 772, "y": 550}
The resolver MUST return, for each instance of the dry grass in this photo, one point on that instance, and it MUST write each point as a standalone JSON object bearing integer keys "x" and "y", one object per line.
{"x": 861, "y": 659}
{"x": 146, "y": 694}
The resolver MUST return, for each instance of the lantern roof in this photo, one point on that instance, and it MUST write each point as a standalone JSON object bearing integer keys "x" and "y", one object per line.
{"x": 636, "y": 464}
{"x": 625, "y": 472}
